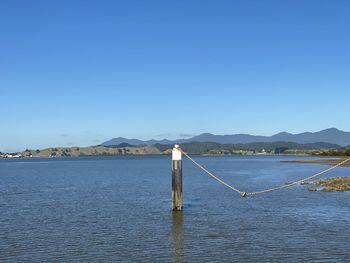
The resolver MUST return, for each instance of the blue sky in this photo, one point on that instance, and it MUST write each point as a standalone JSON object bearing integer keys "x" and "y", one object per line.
{"x": 81, "y": 72}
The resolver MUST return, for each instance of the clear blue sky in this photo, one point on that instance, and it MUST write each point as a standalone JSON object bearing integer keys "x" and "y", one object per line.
{"x": 81, "y": 72}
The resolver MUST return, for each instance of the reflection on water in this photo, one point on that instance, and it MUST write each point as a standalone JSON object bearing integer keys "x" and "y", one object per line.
{"x": 177, "y": 236}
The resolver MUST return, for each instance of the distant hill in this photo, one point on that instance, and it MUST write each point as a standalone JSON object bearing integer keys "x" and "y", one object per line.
{"x": 91, "y": 151}
{"x": 329, "y": 136}
{"x": 135, "y": 142}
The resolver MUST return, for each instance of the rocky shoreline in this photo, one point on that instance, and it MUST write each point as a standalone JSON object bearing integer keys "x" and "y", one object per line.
{"x": 337, "y": 184}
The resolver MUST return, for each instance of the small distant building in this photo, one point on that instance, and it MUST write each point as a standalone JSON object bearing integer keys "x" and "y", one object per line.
{"x": 263, "y": 152}
{"x": 9, "y": 155}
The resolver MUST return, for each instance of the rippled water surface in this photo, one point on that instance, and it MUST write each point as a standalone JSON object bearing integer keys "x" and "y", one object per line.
{"x": 118, "y": 210}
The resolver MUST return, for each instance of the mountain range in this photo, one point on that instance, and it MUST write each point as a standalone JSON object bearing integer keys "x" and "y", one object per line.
{"x": 331, "y": 135}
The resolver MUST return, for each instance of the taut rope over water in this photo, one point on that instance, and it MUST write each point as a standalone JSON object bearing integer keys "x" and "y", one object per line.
{"x": 244, "y": 194}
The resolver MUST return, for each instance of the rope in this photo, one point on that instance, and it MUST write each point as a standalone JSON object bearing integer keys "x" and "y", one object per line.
{"x": 244, "y": 194}
{"x": 211, "y": 174}
{"x": 302, "y": 180}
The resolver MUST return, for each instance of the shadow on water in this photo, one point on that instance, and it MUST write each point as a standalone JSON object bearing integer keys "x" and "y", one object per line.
{"x": 177, "y": 238}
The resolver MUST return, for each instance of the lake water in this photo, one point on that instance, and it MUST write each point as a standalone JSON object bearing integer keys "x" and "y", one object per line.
{"x": 118, "y": 209}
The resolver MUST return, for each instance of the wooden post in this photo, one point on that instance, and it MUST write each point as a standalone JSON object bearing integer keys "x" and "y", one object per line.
{"x": 176, "y": 179}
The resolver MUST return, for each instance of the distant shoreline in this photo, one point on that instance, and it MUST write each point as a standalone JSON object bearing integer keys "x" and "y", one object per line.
{"x": 332, "y": 162}
{"x": 49, "y": 155}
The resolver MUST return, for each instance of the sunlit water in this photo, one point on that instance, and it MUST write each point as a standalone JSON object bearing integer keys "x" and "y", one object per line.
{"x": 119, "y": 210}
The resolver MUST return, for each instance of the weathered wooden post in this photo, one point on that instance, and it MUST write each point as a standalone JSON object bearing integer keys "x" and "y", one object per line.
{"x": 176, "y": 179}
